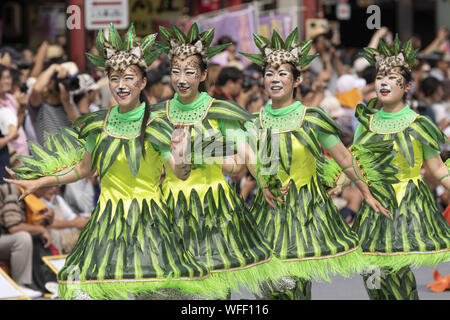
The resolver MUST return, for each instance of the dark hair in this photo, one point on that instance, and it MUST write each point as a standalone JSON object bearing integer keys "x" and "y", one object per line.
{"x": 229, "y": 73}
{"x": 327, "y": 35}
{"x": 203, "y": 68}
{"x": 295, "y": 74}
{"x": 153, "y": 77}
{"x": 142, "y": 97}
{"x": 429, "y": 86}
{"x": 369, "y": 74}
{"x": 225, "y": 40}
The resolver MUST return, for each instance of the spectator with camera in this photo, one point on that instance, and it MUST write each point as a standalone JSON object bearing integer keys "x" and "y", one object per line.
{"x": 49, "y": 102}
{"x": 328, "y": 59}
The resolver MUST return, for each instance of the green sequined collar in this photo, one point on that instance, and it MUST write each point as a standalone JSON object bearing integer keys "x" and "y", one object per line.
{"x": 191, "y": 106}
{"x": 125, "y": 125}
{"x": 132, "y": 115}
{"x": 284, "y": 119}
{"x": 389, "y": 123}
{"x": 195, "y": 112}
{"x": 283, "y": 111}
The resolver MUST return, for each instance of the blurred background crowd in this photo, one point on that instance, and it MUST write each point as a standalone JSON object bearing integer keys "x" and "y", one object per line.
{"x": 46, "y": 84}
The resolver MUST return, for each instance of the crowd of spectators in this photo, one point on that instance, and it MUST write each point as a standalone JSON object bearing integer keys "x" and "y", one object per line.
{"x": 41, "y": 90}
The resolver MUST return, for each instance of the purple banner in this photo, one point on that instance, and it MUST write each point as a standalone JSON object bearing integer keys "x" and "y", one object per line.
{"x": 239, "y": 25}
{"x": 282, "y": 23}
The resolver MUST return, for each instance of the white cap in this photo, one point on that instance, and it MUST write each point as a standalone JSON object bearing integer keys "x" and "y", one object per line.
{"x": 332, "y": 106}
{"x": 86, "y": 83}
{"x": 347, "y": 82}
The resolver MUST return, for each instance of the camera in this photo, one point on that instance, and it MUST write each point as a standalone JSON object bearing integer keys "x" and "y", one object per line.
{"x": 70, "y": 83}
{"x": 23, "y": 87}
{"x": 23, "y": 64}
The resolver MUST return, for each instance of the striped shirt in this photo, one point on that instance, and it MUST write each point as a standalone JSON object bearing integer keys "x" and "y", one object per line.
{"x": 47, "y": 117}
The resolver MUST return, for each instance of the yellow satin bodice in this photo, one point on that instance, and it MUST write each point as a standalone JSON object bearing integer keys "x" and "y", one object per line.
{"x": 406, "y": 172}
{"x": 119, "y": 183}
{"x": 303, "y": 166}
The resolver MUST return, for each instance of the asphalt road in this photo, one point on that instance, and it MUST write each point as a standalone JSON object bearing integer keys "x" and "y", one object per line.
{"x": 353, "y": 288}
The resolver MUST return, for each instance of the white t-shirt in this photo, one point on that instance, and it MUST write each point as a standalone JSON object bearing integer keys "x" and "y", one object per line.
{"x": 7, "y": 118}
{"x": 440, "y": 111}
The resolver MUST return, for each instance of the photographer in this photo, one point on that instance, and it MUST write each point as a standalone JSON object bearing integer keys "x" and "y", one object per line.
{"x": 49, "y": 103}
{"x": 328, "y": 59}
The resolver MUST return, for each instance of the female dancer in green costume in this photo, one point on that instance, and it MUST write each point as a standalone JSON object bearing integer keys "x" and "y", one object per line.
{"x": 306, "y": 232}
{"x": 128, "y": 246}
{"x": 215, "y": 225}
{"x": 417, "y": 233}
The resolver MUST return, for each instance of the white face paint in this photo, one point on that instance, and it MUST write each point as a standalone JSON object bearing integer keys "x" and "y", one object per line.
{"x": 123, "y": 93}
{"x": 384, "y": 89}
{"x": 279, "y": 82}
{"x": 390, "y": 87}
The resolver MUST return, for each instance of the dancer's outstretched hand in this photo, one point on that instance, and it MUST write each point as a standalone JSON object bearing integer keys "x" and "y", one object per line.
{"x": 28, "y": 186}
{"x": 270, "y": 197}
{"x": 376, "y": 205}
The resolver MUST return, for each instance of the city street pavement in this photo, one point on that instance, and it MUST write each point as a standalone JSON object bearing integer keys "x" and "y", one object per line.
{"x": 353, "y": 288}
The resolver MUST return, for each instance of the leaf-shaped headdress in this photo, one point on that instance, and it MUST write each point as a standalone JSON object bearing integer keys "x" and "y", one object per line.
{"x": 385, "y": 58}
{"x": 275, "y": 52}
{"x": 118, "y": 55}
{"x": 181, "y": 45}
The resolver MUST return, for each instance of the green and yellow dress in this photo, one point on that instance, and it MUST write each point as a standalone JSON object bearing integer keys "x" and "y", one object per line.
{"x": 417, "y": 234}
{"x": 129, "y": 246}
{"x": 306, "y": 232}
{"x": 215, "y": 225}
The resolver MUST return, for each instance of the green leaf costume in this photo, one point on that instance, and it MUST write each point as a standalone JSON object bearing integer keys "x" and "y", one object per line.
{"x": 306, "y": 232}
{"x": 418, "y": 233}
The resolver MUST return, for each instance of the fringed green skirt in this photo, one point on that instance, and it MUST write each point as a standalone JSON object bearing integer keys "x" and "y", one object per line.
{"x": 123, "y": 252}
{"x": 220, "y": 233}
{"x": 417, "y": 234}
{"x": 308, "y": 234}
